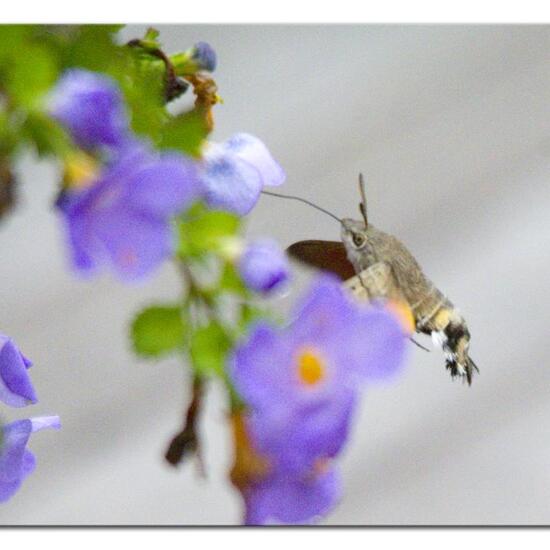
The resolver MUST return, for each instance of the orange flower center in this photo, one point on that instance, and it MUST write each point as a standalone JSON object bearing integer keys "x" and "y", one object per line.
{"x": 311, "y": 367}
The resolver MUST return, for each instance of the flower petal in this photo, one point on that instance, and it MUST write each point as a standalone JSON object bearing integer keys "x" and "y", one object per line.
{"x": 135, "y": 243}
{"x": 254, "y": 367}
{"x": 230, "y": 183}
{"x": 15, "y": 438}
{"x": 16, "y": 462}
{"x": 296, "y": 436}
{"x": 90, "y": 106}
{"x": 16, "y": 389}
{"x": 39, "y": 423}
{"x": 323, "y": 313}
{"x": 165, "y": 186}
{"x": 378, "y": 350}
{"x": 84, "y": 249}
{"x": 253, "y": 151}
{"x": 204, "y": 56}
{"x": 293, "y": 501}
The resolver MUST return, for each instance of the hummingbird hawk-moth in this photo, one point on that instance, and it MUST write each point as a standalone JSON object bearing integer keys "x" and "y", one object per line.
{"x": 374, "y": 265}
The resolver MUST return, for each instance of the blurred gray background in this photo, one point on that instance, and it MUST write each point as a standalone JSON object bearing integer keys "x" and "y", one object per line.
{"x": 451, "y": 126}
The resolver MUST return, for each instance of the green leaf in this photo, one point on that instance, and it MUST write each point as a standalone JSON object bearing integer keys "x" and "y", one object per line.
{"x": 151, "y": 38}
{"x": 45, "y": 134}
{"x": 93, "y": 47}
{"x": 158, "y": 330}
{"x": 33, "y": 73}
{"x": 12, "y": 39}
{"x": 250, "y": 313}
{"x": 8, "y": 137}
{"x": 205, "y": 232}
{"x": 143, "y": 86}
{"x": 185, "y": 133}
{"x": 230, "y": 281}
{"x": 208, "y": 348}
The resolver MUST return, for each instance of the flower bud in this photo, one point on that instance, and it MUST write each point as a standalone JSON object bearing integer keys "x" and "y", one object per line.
{"x": 263, "y": 266}
{"x": 201, "y": 57}
{"x": 204, "y": 56}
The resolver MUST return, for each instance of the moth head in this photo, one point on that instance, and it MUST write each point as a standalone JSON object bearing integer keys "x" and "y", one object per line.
{"x": 354, "y": 234}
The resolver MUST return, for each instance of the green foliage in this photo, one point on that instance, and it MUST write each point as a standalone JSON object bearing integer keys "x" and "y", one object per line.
{"x": 45, "y": 135}
{"x": 252, "y": 313}
{"x": 91, "y": 47}
{"x": 230, "y": 280}
{"x": 158, "y": 330}
{"x": 32, "y": 75}
{"x": 8, "y": 137}
{"x": 13, "y": 38}
{"x": 205, "y": 230}
{"x": 143, "y": 87}
{"x": 208, "y": 349}
{"x": 151, "y": 37}
{"x": 32, "y": 57}
{"x": 184, "y": 133}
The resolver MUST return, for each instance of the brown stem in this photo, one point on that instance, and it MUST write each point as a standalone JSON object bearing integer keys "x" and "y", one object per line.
{"x": 7, "y": 188}
{"x": 205, "y": 88}
{"x": 174, "y": 85}
{"x": 187, "y": 441}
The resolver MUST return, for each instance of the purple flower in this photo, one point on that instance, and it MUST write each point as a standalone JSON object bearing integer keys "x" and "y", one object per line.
{"x": 204, "y": 56}
{"x": 16, "y": 389}
{"x": 286, "y": 499}
{"x": 300, "y": 382}
{"x": 264, "y": 266}
{"x": 331, "y": 345}
{"x": 124, "y": 216}
{"x": 90, "y": 106}
{"x": 16, "y": 462}
{"x": 236, "y": 171}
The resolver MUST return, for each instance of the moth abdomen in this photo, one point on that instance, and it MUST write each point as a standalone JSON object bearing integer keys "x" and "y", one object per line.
{"x": 448, "y": 329}
{"x": 398, "y": 278}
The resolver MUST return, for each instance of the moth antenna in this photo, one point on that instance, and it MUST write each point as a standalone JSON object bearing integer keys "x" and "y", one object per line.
{"x": 363, "y": 203}
{"x": 313, "y": 205}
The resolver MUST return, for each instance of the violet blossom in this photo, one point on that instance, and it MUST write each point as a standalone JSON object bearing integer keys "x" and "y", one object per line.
{"x": 235, "y": 172}
{"x": 16, "y": 461}
{"x": 301, "y": 384}
{"x": 16, "y": 389}
{"x": 90, "y": 106}
{"x": 263, "y": 266}
{"x": 123, "y": 217}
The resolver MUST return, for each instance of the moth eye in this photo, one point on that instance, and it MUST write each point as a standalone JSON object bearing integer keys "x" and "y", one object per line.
{"x": 358, "y": 239}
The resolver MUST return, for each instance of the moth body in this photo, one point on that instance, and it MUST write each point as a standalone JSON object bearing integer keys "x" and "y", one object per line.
{"x": 374, "y": 264}
{"x": 434, "y": 314}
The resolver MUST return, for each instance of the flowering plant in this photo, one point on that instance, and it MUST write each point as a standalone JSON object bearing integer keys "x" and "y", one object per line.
{"x": 139, "y": 186}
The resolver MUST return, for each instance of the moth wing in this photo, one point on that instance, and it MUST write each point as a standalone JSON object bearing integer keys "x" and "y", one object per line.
{"x": 377, "y": 281}
{"x": 328, "y": 255}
